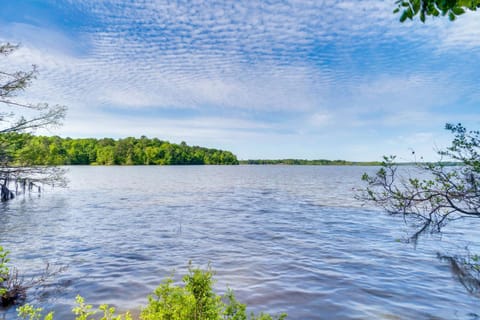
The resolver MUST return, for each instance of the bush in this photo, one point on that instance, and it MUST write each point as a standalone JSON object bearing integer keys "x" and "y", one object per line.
{"x": 196, "y": 300}
{"x": 11, "y": 289}
{"x": 13, "y": 286}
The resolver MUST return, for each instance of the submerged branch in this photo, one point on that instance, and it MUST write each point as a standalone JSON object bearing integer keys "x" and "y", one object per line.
{"x": 466, "y": 270}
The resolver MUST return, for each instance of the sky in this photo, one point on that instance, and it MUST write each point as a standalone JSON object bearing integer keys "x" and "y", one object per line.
{"x": 264, "y": 79}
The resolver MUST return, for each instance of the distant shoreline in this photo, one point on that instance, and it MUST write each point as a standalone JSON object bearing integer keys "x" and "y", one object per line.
{"x": 323, "y": 162}
{"x": 267, "y": 163}
{"x": 319, "y": 162}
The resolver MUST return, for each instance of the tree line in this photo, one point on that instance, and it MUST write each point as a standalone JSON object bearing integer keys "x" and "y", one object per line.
{"x": 28, "y": 149}
{"x": 319, "y": 162}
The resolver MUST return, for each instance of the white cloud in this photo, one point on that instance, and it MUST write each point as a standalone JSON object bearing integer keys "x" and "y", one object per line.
{"x": 463, "y": 34}
{"x": 319, "y": 65}
{"x": 42, "y": 38}
{"x": 320, "y": 119}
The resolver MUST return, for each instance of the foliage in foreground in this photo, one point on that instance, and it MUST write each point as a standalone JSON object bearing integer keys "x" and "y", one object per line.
{"x": 13, "y": 287}
{"x": 445, "y": 193}
{"x": 196, "y": 300}
{"x": 434, "y": 8}
{"x": 435, "y": 195}
{"x": 11, "y": 291}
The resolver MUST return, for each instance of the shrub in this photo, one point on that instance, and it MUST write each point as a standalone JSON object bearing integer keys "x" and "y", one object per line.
{"x": 12, "y": 291}
{"x": 196, "y": 300}
{"x": 13, "y": 287}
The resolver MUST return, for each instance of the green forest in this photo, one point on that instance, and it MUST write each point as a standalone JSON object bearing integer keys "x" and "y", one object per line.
{"x": 27, "y": 149}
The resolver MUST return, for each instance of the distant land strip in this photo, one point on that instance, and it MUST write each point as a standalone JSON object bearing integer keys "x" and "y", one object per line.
{"x": 324, "y": 162}
{"x": 27, "y": 149}
{"x": 319, "y": 162}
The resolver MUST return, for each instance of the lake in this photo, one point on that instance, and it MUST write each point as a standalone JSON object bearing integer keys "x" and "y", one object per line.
{"x": 284, "y": 238}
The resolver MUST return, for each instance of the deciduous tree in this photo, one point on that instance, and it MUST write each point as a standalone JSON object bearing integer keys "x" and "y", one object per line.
{"x": 17, "y": 175}
{"x": 435, "y": 194}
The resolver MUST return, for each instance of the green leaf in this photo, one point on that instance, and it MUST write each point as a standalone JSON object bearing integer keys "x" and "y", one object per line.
{"x": 416, "y": 6}
{"x": 458, "y": 10}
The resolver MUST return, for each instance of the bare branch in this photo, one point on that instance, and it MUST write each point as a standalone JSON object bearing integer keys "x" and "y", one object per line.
{"x": 17, "y": 174}
{"x": 445, "y": 193}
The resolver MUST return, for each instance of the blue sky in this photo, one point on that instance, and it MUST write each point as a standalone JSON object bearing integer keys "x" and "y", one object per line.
{"x": 264, "y": 79}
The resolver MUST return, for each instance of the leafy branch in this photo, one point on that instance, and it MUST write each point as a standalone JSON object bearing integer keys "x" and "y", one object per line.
{"x": 445, "y": 193}
{"x": 408, "y": 9}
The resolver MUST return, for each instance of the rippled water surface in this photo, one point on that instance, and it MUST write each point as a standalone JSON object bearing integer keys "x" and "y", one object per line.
{"x": 285, "y": 238}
